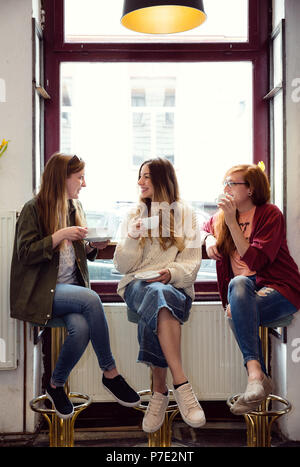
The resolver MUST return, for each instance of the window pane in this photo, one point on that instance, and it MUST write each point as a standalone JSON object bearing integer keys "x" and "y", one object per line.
{"x": 278, "y": 169}
{"x": 277, "y": 60}
{"x": 99, "y": 21}
{"x": 104, "y": 270}
{"x": 153, "y": 128}
{"x": 202, "y": 124}
{"x": 165, "y": 135}
{"x": 141, "y": 135}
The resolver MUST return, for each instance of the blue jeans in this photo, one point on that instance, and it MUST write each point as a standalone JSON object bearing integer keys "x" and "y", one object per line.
{"x": 82, "y": 311}
{"x": 146, "y": 300}
{"x": 251, "y": 307}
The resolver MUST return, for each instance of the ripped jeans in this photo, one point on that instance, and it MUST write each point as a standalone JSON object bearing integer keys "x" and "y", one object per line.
{"x": 251, "y": 307}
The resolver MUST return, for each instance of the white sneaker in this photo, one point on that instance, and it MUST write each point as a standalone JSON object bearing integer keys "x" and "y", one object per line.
{"x": 190, "y": 409}
{"x": 155, "y": 413}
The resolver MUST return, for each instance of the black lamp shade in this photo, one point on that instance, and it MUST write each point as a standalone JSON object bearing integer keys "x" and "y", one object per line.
{"x": 162, "y": 16}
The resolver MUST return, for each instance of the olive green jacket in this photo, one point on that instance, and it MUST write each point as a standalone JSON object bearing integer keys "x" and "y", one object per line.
{"x": 34, "y": 266}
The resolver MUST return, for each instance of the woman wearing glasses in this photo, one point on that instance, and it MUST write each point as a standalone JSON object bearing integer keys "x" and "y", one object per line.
{"x": 259, "y": 282}
{"x": 49, "y": 278}
{"x": 160, "y": 264}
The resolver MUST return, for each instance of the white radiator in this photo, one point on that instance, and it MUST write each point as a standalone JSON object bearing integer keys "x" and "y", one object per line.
{"x": 8, "y": 330}
{"x": 211, "y": 358}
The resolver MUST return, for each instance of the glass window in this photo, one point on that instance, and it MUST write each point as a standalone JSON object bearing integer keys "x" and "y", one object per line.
{"x": 99, "y": 21}
{"x": 153, "y": 124}
{"x": 195, "y": 114}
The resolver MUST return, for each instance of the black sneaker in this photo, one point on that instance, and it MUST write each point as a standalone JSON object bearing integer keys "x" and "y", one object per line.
{"x": 63, "y": 406}
{"x": 121, "y": 391}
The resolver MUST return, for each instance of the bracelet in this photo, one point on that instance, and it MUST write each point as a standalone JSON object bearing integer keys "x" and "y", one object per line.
{"x": 92, "y": 247}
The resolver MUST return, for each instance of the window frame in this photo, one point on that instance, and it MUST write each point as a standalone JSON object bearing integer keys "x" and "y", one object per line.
{"x": 255, "y": 50}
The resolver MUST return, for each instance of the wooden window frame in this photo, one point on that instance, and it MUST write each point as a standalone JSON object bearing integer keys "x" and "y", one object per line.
{"x": 255, "y": 50}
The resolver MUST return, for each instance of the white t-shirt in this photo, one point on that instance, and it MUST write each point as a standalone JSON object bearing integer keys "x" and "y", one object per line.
{"x": 67, "y": 264}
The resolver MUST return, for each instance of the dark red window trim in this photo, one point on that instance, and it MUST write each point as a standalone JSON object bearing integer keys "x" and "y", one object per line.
{"x": 255, "y": 50}
{"x": 204, "y": 291}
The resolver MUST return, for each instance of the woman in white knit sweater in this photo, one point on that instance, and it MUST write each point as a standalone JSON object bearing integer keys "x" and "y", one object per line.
{"x": 160, "y": 258}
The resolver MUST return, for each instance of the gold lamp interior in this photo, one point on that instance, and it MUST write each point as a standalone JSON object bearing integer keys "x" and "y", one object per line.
{"x": 163, "y": 19}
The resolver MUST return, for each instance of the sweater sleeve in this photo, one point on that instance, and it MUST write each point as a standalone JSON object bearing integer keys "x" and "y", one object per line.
{"x": 265, "y": 240}
{"x": 128, "y": 253}
{"x": 187, "y": 262}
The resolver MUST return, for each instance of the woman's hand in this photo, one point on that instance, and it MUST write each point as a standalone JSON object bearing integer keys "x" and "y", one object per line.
{"x": 136, "y": 229}
{"x": 228, "y": 311}
{"x": 211, "y": 248}
{"x": 228, "y": 206}
{"x": 98, "y": 245}
{"x": 69, "y": 233}
{"x": 165, "y": 277}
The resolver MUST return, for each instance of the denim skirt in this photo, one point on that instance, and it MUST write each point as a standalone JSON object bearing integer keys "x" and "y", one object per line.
{"x": 145, "y": 300}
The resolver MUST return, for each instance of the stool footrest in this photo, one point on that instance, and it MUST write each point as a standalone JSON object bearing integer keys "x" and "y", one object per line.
{"x": 259, "y": 421}
{"x": 77, "y": 407}
{"x": 61, "y": 431}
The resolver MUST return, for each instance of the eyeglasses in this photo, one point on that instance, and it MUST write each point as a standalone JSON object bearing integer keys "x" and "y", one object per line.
{"x": 231, "y": 184}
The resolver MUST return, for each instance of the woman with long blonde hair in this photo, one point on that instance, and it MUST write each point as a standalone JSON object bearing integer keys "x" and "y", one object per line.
{"x": 160, "y": 257}
{"x": 258, "y": 280}
{"x": 49, "y": 279}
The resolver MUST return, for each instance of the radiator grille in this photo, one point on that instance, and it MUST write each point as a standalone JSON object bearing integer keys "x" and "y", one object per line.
{"x": 8, "y": 345}
{"x": 211, "y": 358}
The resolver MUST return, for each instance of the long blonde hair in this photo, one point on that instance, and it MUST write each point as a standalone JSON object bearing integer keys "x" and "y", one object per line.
{"x": 52, "y": 200}
{"x": 258, "y": 182}
{"x": 166, "y": 190}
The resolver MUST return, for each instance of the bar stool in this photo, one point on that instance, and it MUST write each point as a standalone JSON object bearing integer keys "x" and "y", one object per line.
{"x": 163, "y": 436}
{"x": 61, "y": 431}
{"x": 259, "y": 422}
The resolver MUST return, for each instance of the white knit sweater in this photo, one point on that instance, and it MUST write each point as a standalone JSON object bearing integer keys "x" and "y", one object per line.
{"x": 130, "y": 258}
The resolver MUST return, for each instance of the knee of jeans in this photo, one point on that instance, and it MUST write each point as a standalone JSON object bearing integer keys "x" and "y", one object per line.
{"x": 169, "y": 294}
{"x": 93, "y": 300}
{"x": 239, "y": 286}
{"x": 78, "y": 327}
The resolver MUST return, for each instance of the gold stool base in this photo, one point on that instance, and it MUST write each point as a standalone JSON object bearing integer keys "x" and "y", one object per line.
{"x": 163, "y": 436}
{"x": 61, "y": 432}
{"x": 259, "y": 422}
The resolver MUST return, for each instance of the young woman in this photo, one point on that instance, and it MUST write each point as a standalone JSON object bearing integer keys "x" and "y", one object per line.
{"x": 49, "y": 278}
{"x": 258, "y": 281}
{"x": 162, "y": 303}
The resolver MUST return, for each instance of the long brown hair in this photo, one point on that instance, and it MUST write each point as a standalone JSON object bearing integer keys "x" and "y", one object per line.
{"x": 259, "y": 185}
{"x": 52, "y": 200}
{"x": 166, "y": 190}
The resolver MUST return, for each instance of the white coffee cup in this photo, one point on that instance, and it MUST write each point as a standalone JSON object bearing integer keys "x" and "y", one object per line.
{"x": 220, "y": 197}
{"x": 150, "y": 222}
{"x": 92, "y": 232}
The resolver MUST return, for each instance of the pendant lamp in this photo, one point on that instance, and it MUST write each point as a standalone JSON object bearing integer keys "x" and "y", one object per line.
{"x": 162, "y": 16}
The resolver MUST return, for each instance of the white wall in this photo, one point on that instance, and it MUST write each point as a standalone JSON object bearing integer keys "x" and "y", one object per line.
{"x": 289, "y": 381}
{"x": 16, "y": 183}
{"x": 15, "y": 113}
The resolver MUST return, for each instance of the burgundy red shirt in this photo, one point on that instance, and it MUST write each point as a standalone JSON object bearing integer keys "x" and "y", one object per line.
{"x": 268, "y": 255}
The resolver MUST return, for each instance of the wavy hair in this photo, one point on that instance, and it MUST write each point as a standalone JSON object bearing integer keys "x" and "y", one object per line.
{"x": 258, "y": 182}
{"x": 166, "y": 190}
{"x": 52, "y": 200}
